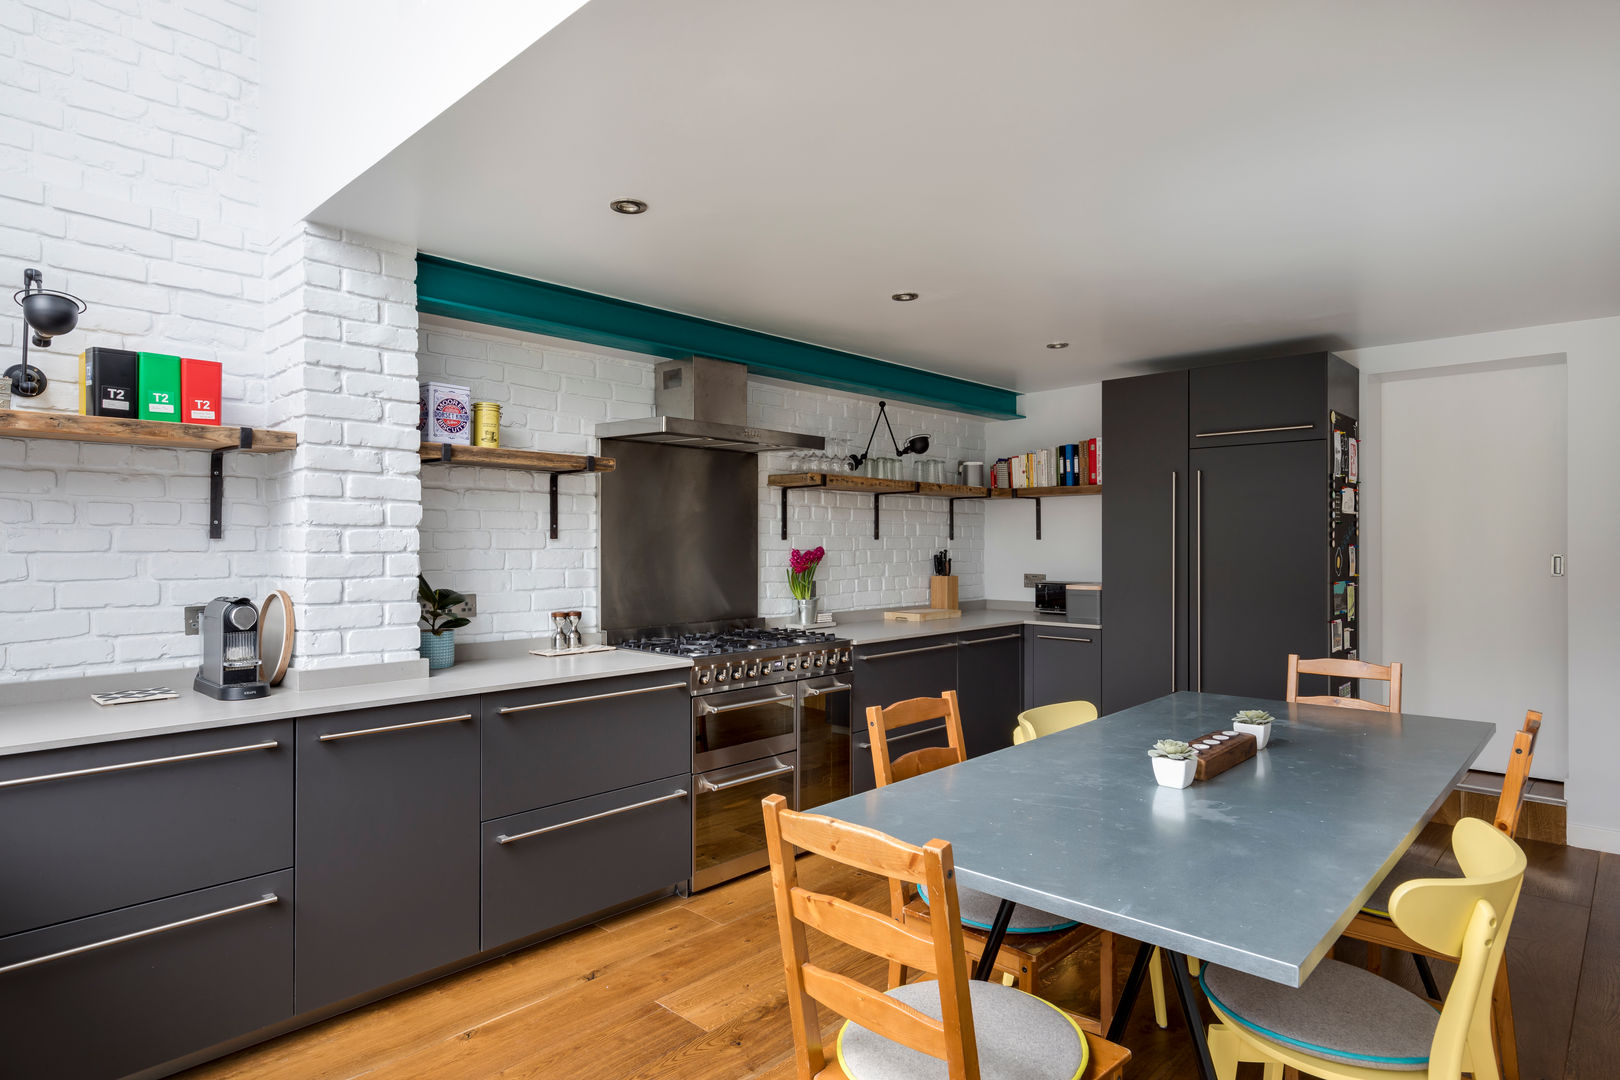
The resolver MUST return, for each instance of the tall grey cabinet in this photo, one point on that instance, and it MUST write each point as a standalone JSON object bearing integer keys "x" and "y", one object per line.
{"x": 1217, "y": 532}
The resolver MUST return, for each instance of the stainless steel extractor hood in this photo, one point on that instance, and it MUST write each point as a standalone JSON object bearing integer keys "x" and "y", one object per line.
{"x": 703, "y": 404}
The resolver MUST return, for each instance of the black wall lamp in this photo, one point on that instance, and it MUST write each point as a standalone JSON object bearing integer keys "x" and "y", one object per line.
{"x": 46, "y": 314}
{"x": 917, "y": 444}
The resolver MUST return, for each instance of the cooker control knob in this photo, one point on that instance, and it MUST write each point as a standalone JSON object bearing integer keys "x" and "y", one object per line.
{"x": 721, "y": 672}
{"x": 844, "y": 657}
{"x": 704, "y": 676}
{"x": 739, "y": 670}
{"x": 793, "y": 663}
{"x": 753, "y": 670}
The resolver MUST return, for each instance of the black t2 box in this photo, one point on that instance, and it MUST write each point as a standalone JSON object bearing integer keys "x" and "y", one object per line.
{"x": 107, "y": 383}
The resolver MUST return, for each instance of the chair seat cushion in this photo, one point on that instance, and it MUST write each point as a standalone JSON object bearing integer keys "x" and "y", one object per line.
{"x": 1342, "y": 1013}
{"x": 1409, "y": 868}
{"x": 979, "y": 911}
{"x": 1020, "y": 1037}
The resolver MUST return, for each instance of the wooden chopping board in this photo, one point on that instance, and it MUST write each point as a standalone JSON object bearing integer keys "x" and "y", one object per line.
{"x": 921, "y": 614}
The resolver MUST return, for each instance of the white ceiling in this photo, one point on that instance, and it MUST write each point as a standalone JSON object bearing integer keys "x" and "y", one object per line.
{"x": 1142, "y": 179}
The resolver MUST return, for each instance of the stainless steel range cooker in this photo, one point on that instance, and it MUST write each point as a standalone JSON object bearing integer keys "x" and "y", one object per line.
{"x": 770, "y": 715}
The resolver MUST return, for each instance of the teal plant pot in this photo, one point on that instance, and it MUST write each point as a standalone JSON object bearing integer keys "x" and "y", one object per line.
{"x": 439, "y": 649}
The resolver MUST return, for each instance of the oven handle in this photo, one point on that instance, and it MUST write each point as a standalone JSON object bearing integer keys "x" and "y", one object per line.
{"x": 705, "y": 708}
{"x": 907, "y": 735}
{"x": 706, "y": 786}
{"x": 835, "y": 688}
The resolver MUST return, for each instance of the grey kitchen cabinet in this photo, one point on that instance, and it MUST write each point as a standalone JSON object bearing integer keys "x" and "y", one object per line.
{"x": 91, "y": 829}
{"x": 545, "y": 868}
{"x": 553, "y": 744}
{"x": 1279, "y": 399}
{"x": 387, "y": 846}
{"x": 1062, "y": 663}
{"x": 989, "y": 686}
{"x": 128, "y": 990}
{"x": 894, "y": 671}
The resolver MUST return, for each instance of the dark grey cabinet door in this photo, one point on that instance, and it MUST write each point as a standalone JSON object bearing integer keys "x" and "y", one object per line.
{"x": 172, "y": 987}
{"x": 1144, "y": 538}
{"x": 1062, "y": 664}
{"x": 989, "y": 687}
{"x": 891, "y": 672}
{"x": 1260, "y": 570}
{"x": 1281, "y": 399}
{"x": 546, "y": 868}
{"x": 387, "y": 846}
{"x": 94, "y": 828}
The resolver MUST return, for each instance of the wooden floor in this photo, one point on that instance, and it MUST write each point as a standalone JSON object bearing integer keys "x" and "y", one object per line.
{"x": 691, "y": 989}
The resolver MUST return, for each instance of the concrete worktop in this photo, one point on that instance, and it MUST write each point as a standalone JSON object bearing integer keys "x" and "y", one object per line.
{"x": 869, "y": 630}
{"x": 75, "y": 720}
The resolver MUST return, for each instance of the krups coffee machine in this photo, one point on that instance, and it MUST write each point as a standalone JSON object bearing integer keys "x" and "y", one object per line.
{"x": 230, "y": 660}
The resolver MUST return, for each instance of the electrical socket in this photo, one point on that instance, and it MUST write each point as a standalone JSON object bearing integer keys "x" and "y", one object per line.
{"x": 1031, "y": 580}
{"x": 194, "y": 619}
{"x": 468, "y": 608}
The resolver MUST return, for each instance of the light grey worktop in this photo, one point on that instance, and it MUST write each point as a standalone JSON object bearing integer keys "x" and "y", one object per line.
{"x": 867, "y": 630}
{"x": 76, "y": 721}
{"x": 1259, "y": 868}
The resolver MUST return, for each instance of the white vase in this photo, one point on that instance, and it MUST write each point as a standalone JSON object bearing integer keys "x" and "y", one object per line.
{"x": 1172, "y": 773}
{"x": 1261, "y": 732}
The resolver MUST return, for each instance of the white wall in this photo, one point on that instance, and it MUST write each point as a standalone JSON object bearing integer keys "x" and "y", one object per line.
{"x": 1591, "y": 350}
{"x": 1072, "y": 527}
{"x": 347, "y": 82}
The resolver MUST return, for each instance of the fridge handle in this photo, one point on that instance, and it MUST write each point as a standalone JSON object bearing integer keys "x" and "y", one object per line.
{"x": 1198, "y": 570}
{"x": 1175, "y": 486}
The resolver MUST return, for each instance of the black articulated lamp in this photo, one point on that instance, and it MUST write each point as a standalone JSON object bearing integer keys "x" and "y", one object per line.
{"x": 46, "y": 314}
{"x": 917, "y": 444}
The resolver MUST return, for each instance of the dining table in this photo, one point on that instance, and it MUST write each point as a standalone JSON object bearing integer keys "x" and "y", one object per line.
{"x": 1259, "y": 868}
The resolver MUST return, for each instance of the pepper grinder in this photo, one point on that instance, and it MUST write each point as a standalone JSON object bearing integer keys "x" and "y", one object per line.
{"x": 574, "y": 640}
{"x": 559, "y": 637}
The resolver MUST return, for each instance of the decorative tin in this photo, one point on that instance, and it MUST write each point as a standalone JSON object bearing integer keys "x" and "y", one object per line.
{"x": 486, "y": 423}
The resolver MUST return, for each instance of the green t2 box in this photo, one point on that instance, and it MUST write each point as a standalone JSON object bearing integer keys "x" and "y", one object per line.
{"x": 158, "y": 387}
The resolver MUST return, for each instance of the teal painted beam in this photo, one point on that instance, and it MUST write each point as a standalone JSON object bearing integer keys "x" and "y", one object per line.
{"x": 459, "y": 291}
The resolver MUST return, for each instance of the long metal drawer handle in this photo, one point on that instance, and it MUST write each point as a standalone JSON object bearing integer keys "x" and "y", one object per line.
{"x": 122, "y": 766}
{"x": 263, "y": 901}
{"x": 907, "y": 735}
{"x": 987, "y": 640}
{"x": 1055, "y": 637}
{"x": 1254, "y": 430}
{"x": 835, "y": 688}
{"x": 394, "y": 727}
{"x": 908, "y": 652}
{"x": 706, "y": 786}
{"x": 705, "y": 707}
{"x": 593, "y": 697}
{"x": 504, "y": 839}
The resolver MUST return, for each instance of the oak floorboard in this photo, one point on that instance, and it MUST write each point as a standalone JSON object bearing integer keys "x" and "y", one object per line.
{"x": 1594, "y": 1045}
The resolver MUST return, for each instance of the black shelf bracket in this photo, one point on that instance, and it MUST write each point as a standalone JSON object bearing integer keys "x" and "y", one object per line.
{"x": 1037, "y": 518}
{"x": 784, "y": 513}
{"x": 444, "y": 452}
{"x": 216, "y": 482}
{"x": 590, "y": 467}
{"x": 877, "y": 516}
{"x": 951, "y": 512}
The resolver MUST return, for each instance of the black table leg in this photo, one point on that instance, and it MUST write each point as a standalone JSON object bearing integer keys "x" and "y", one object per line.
{"x": 1189, "y": 1010}
{"x": 1133, "y": 986}
{"x": 992, "y": 944}
{"x": 1426, "y": 973}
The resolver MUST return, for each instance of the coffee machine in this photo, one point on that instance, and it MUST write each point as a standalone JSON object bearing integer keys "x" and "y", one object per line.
{"x": 230, "y": 660}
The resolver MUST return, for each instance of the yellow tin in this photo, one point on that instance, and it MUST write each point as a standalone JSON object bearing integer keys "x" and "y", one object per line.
{"x": 486, "y": 423}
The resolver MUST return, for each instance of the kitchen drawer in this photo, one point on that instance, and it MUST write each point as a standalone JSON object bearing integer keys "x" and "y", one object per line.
{"x": 95, "y": 828}
{"x": 1283, "y": 399}
{"x": 566, "y": 862}
{"x": 989, "y": 687}
{"x": 1062, "y": 664}
{"x": 556, "y": 743}
{"x": 171, "y": 987}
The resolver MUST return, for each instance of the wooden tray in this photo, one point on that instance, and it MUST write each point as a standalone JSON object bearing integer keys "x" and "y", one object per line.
{"x": 1234, "y": 750}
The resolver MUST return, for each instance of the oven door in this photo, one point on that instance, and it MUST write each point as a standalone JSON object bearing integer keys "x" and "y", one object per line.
{"x": 728, "y": 826}
{"x": 824, "y": 719}
{"x": 742, "y": 725}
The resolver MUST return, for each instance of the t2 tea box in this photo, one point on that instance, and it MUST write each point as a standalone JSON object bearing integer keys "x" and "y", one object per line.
{"x": 199, "y": 391}
{"x": 159, "y": 387}
{"x": 107, "y": 381}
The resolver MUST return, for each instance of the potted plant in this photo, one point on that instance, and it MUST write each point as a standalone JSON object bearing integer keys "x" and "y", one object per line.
{"x": 439, "y": 623}
{"x": 1256, "y": 722}
{"x": 1174, "y": 763}
{"x": 802, "y": 581}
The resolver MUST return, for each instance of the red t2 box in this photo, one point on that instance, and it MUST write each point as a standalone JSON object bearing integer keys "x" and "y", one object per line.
{"x": 199, "y": 391}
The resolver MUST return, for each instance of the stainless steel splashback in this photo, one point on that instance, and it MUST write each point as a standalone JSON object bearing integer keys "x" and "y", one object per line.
{"x": 680, "y": 536}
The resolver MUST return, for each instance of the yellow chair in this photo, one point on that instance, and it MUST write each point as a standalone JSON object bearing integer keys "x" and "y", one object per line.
{"x": 1346, "y": 1023}
{"x": 1049, "y": 719}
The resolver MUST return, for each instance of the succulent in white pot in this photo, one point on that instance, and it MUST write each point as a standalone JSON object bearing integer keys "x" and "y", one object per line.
{"x": 1174, "y": 763}
{"x": 1256, "y": 722}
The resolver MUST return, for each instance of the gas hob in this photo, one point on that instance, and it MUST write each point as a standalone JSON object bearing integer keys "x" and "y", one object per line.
{"x": 757, "y": 656}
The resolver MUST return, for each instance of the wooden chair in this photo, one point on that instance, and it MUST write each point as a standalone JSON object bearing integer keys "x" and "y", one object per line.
{"x": 1344, "y": 669}
{"x": 1036, "y": 940}
{"x": 964, "y": 1023}
{"x": 1374, "y": 926}
{"x": 1347, "y": 1024}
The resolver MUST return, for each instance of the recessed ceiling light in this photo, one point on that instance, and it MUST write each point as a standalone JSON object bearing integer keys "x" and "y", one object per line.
{"x": 628, "y": 206}
{"x": 903, "y": 297}
{"x": 1057, "y": 344}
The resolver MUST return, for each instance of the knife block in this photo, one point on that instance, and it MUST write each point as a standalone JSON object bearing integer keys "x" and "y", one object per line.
{"x": 942, "y": 592}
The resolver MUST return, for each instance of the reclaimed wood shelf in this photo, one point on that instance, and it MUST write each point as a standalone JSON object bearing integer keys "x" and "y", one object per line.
{"x": 118, "y": 431}
{"x": 865, "y": 485}
{"x": 506, "y": 457}
{"x": 1045, "y": 492}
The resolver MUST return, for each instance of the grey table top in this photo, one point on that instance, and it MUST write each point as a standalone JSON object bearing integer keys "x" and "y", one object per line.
{"x": 1259, "y": 868}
